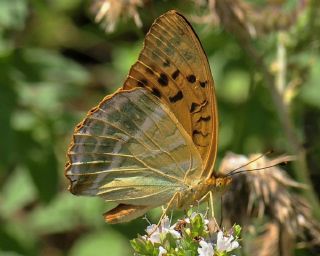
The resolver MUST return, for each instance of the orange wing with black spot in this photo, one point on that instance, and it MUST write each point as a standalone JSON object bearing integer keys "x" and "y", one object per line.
{"x": 174, "y": 67}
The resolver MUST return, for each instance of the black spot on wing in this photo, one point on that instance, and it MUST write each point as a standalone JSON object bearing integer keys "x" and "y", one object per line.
{"x": 156, "y": 92}
{"x": 175, "y": 74}
{"x": 163, "y": 79}
{"x": 203, "y": 84}
{"x": 193, "y": 107}
{"x": 142, "y": 82}
{"x": 204, "y": 119}
{"x": 176, "y": 97}
{"x": 191, "y": 78}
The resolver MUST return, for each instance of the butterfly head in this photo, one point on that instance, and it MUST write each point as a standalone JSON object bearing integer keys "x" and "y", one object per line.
{"x": 219, "y": 183}
{"x": 222, "y": 182}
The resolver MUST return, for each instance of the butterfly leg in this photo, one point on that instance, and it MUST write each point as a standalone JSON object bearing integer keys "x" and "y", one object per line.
{"x": 209, "y": 196}
{"x": 176, "y": 196}
{"x": 215, "y": 223}
{"x": 204, "y": 198}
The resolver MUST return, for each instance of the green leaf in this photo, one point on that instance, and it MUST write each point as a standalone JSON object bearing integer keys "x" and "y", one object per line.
{"x": 13, "y": 13}
{"x": 101, "y": 243}
{"x": 144, "y": 247}
{"x": 237, "y": 230}
{"x": 169, "y": 241}
{"x": 8, "y": 100}
{"x": 43, "y": 168}
{"x": 9, "y": 244}
{"x": 15, "y": 198}
{"x": 235, "y": 86}
{"x": 310, "y": 92}
{"x": 67, "y": 212}
{"x": 197, "y": 226}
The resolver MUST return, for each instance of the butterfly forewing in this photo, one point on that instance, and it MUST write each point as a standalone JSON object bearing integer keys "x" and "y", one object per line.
{"x": 132, "y": 150}
{"x": 174, "y": 67}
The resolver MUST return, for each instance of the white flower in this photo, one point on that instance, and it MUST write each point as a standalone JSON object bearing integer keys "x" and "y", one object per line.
{"x": 162, "y": 251}
{"x": 154, "y": 232}
{"x": 206, "y": 249}
{"x": 226, "y": 243}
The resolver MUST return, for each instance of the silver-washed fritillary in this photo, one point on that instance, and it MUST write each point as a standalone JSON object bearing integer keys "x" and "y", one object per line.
{"x": 154, "y": 141}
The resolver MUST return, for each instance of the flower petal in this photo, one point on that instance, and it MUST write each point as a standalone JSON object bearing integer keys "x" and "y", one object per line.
{"x": 162, "y": 251}
{"x": 206, "y": 249}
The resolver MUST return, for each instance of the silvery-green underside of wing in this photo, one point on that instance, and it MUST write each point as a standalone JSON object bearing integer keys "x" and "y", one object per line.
{"x": 131, "y": 149}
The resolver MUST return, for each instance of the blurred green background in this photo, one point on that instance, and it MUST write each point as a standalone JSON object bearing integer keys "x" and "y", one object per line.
{"x": 56, "y": 63}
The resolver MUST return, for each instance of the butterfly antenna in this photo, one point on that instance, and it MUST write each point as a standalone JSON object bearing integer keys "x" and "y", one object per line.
{"x": 279, "y": 161}
{"x": 251, "y": 161}
{"x": 257, "y": 169}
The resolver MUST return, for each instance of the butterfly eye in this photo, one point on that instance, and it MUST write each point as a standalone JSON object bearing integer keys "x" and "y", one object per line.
{"x": 219, "y": 183}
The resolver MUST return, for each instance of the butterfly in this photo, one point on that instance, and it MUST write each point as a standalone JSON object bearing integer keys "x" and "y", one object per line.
{"x": 154, "y": 141}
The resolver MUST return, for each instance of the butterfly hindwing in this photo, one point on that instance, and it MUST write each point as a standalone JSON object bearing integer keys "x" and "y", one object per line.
{"x": 130, "y": 149}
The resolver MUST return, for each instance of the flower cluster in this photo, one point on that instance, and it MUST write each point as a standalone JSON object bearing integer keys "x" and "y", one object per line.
{"x": 189, "y": 236}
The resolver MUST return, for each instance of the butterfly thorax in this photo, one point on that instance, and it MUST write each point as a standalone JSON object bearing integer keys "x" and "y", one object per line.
{"x": 197, "y": 192}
